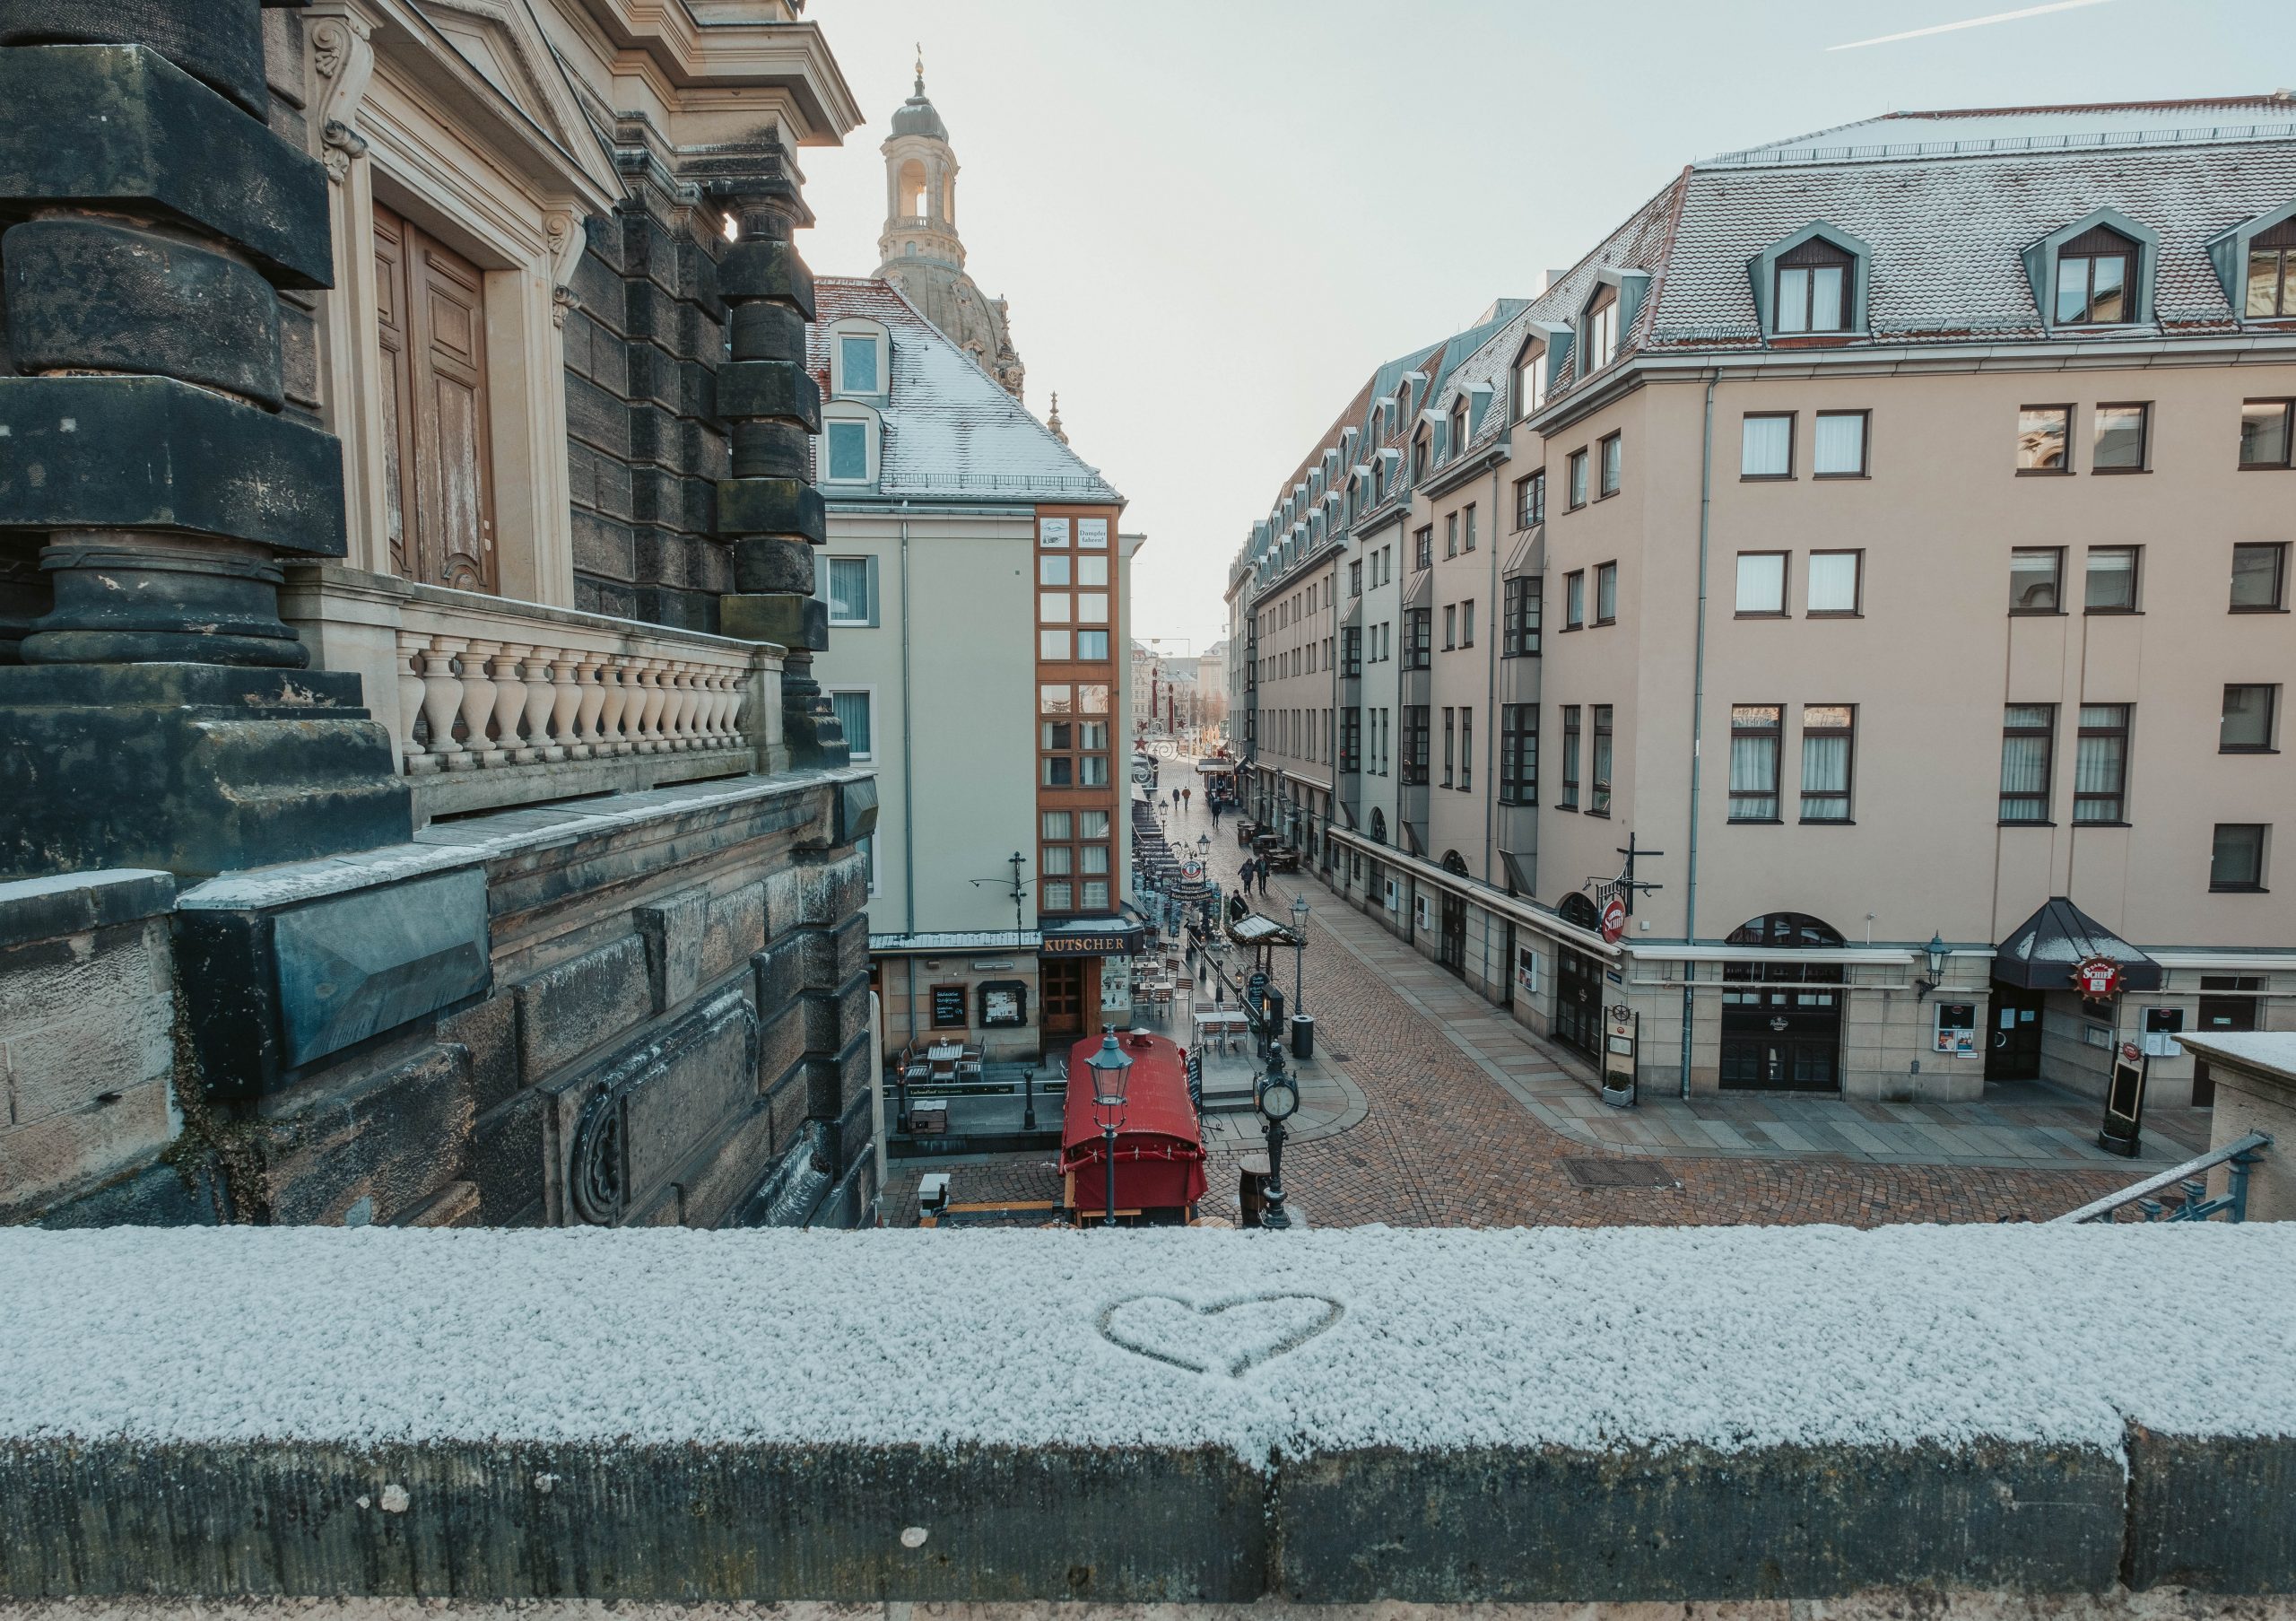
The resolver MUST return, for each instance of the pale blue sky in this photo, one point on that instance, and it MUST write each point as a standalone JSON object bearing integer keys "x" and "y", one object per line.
{"x": 1212, "y": 219}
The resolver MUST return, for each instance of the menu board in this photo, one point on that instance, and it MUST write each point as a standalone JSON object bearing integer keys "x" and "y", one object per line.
{"x": 1054, "y": 532}
{"x": 948, "y": 1007}
{"x": 1092, "y": 533}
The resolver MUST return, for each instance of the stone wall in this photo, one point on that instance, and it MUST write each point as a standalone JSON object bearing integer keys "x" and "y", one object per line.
{"x": 642, "y": 1009}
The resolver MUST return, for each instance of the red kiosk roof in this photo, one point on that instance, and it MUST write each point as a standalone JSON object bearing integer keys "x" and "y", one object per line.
{"x": 1159, "y": 1147}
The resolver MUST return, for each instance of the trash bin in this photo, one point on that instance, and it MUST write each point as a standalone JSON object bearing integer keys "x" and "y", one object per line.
{"x": 1304, "y": 1036}
{"x": 1251, "y": 1189}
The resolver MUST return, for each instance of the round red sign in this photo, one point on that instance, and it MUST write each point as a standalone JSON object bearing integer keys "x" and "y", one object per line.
{"x": 1614, "y": 919}
{"x": 2097, "y": 977}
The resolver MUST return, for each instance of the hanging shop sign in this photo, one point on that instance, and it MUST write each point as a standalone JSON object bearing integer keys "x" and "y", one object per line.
{"x": 2096, "y": 977}
{"x": 1613, "y": 919}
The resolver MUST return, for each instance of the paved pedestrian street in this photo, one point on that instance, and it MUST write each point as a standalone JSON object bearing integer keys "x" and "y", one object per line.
{"x": 1458, "y": 1116}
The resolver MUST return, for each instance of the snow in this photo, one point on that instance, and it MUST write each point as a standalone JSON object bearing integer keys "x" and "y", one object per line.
{"x": 1736, "y": 1337}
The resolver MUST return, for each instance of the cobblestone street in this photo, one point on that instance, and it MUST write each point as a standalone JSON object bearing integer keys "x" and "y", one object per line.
{"x": 1445, "y": 1142}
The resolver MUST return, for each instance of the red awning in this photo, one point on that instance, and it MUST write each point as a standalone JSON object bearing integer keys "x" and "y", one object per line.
{"x": 1159, "y": 1147}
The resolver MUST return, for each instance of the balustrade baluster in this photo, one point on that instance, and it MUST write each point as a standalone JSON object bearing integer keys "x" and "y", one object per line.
{"x": 620, "y": 700}
{"x": 714, "y": 713}
{"x": 536, "y": 669}
{"x": 410, "y": 700}
{"x": 648, "y": 703}
{"x": 442, "y": 700}
{"x": 477, "y": 708}
{"x": 684, "y": 734}
{"x": 509, "y": 702}
{"x": 565, "y": 704}
{"x": 590, "y": 723}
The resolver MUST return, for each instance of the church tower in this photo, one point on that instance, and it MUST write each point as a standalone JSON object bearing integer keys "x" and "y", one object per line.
{"x": 920, "y": 251}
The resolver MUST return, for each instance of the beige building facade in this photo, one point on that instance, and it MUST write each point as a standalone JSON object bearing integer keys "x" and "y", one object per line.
{"x": 1889, "y": 544}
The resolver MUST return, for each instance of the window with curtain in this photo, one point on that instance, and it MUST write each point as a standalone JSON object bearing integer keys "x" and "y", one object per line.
{"x": 2028, "y": 734}
{"x": 1451, "y": 534}
{"x": 1530, "y": 501}
{"x": 2035, "y": 573}
{"x": 1467, "y": 544}
{"x": 2096, "y": 279}
{"x": 1574, "y": 599}
{"x": 1813, "y": 288}
{"x": 848, "y": 592}
{"x": 1448, "y": 729}
{"x": 1829, "y": 732}
{"x": 852, "y": 712}
{"x": 1518, "y": 754}
{"x": 1606, "y": 594}
{"x": 1765, "y": 446}
{"x": 1577, "y": 479}
{"x": 2100, "y": 764}
{"x": 1569, "y": 800}
{"x": 1598, "y": 803}
{"x": 1092, "y": 645}
{"x": 1530, "y": 379}
{"x": 1762, "y": 583}
{"x": 1756, "y": 732}
{"x": 1467, "y": 623}
{"x": 1835, "y": 581}
{"x": 1611, "y": 451}
{"x": 1838, "y": 449}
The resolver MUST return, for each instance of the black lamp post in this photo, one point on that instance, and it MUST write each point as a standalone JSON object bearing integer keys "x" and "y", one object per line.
{"x": 1111, "y": 1073}
{"x": 1299, "y": 952}
{"x": 1937, "y": 953}
{"x": 1279, "y": 1100}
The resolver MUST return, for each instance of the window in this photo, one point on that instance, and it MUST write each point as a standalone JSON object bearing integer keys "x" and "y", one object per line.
{"x": 1574, "y": 599}
{"x": 1053, "y": 607}
{"x": 2116, "y": 443}
{"x": 1053, "y": 699}
{"x": 1059, "y": 771}
{"x": 2263, "y": 432}
{"x": 1521, "y": 634}
{"x": 1761, "y": 585}
{"x": 1096, "y": 895}
{"x": 2043, "y": 433}
{"x": 1828, "y": 732}
{"x": 2035, "y": 575}
{"x": 1418, "y": 631}
{"x": 1091, "y": 825}
{"x": 1756, "y": 735}
{"x": 1577, "y": 480}
{"x": 1601, "y": 325}
{"x": 1056, "y": 898}
{"x": 1466, "y": 749}
{"x": 1837, "y": 582}
{"x": 1423, "y": 548}
{"x": 2247, "y": 725}
{"x": 1467, "y": 624}
{"x": 1569, "y": 800}
{"x": 1093, "y": 771}
{"x": 1056, "y": 861}
{"x": 1091, "y": 607}
{"x": 1419, "y": 457}
{"x": 1451, "y": 534}
{"x": 1450, "y": 626}
{"x": 2111, "y": 584}
{"x": 2100, "y": 764}
{"x": 1057, "y": 824}
{"x": 848, "y": 451}
{"x": 1610, "y": 448}
{"x": 1469, "y": 544}
{"x": 1449, "y": 726}
{"x": 1415, "y": 745}
{"x": 1606, "y": 594}
{"x": 1355, "y": 577}
{"x": 856, "y": 365}
{"x": 1351, "y": 651}
{"x": 1765, "y": 446}
{"x": 1839, "y": 450}
{"x": 2028, "y": 734}
{"x": 2272, "y": 273}
{"x": 2096, "y": 279}
{"x": 850, "y": 599}
{"x": 1813, "y": 285}
{"x": 1092, "y": 645}
{"x": 1053, "y": 570}
{"x": 1351, "y": 740}
{"x": 2258, "y": 573}
{"x": 1455, "y": 438}
{"x": 1518, "y": 754}
{"x": 2236, "y": 857}
{"x": 1599, "y": 804}
{"x": 1052, "y": 645}
{"x": 1530, "y": 379}
{"x": 852, "y": 712}
{"x": 1530, "y": 501}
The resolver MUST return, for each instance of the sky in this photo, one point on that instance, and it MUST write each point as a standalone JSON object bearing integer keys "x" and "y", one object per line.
{"x": 1212, "y": 218}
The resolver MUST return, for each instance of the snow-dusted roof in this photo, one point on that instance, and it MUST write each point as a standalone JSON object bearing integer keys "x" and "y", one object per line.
{"x": 2004, "y": 129}
{"x": 951, "y": 430}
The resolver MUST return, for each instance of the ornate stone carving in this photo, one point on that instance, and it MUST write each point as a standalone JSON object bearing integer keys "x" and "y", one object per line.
{"x": 339, "y": 146}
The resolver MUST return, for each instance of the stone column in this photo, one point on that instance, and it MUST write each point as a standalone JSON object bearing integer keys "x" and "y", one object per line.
{"x": 161, "y": 716}
{"x": 768, "y": 508}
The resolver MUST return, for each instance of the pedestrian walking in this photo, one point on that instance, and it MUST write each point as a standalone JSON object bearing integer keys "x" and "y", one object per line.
{"x": 1187, "y": 799}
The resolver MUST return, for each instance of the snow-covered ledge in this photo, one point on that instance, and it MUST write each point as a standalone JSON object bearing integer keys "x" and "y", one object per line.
{"x": 1440, "y": 1416}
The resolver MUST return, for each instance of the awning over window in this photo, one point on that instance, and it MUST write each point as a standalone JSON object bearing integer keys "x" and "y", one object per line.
{"x": 2041, "y": 953}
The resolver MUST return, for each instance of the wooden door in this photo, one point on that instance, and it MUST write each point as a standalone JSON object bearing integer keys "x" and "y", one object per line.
{"x": 1063, "y": 997}
{"x": 431, "y": 318}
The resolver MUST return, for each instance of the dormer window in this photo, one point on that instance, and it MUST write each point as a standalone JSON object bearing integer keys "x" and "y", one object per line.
{"x": 1814, "y": 291}
{"x": 1457, "y": 429}
{"x": 1419, "y": 455}
{"x": 849, "y": 446}
{"x": 859, "y": 360}
{"x": 1530, "y": 380}
{"x": 2272, "y": 274}
{"x": 2096, "y": 279}
{"x": 1601, "y": 328}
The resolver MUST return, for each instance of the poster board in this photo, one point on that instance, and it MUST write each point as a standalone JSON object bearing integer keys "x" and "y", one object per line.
{"x": 949, "y": 1008}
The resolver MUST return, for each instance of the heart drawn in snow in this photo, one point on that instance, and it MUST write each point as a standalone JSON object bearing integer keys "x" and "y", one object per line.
{"x": 1229, "y": 1336}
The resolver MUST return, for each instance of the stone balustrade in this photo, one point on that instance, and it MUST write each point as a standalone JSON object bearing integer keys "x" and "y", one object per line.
{"x": 491, "y": 702}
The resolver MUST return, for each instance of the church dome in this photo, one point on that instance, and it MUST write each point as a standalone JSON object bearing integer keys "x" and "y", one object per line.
{"x": 918, "y": 116}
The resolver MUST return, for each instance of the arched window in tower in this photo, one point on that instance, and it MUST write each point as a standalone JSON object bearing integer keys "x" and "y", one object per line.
{"x": 912, "y": 190}
{"x": 949, "y": 199}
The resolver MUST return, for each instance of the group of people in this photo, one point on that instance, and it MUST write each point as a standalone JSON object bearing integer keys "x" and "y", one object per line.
{"x": 1254, "y": 872}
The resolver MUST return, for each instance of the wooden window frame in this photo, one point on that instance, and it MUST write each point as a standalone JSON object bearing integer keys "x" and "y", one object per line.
{"x": 1815, "y": 254}
{"x": 2097, "y": 243}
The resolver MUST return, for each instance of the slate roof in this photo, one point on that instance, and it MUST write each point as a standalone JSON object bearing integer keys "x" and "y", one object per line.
{"x": 951, "y": 430}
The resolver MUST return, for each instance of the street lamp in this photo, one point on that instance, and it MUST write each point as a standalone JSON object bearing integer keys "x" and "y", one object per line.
{"x": 1299, "y": 951}
{"x": 1111, "y": 1073}
{"x": 1937, "y": 953}
{"x": 1203, "y": 845}
{"x": 1279, "y": 1100}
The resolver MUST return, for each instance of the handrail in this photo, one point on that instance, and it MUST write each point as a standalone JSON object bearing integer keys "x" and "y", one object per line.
{"x": 2238, "y": 1154}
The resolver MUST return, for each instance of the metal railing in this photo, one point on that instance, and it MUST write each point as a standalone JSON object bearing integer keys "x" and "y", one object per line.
{"x": 2189, "y": 1179}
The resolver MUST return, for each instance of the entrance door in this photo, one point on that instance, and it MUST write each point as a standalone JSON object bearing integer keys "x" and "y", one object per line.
{"x": 1064, "y": 1004}
{"x": 1454, "y": 933}
{"x": 2221, "y": 1012}
{"x": 1781, "y": 1028}
{"x": 1578, "y": 1001}
{"x": 2012, "y": 1047}
{"x": 437, "y": 474}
